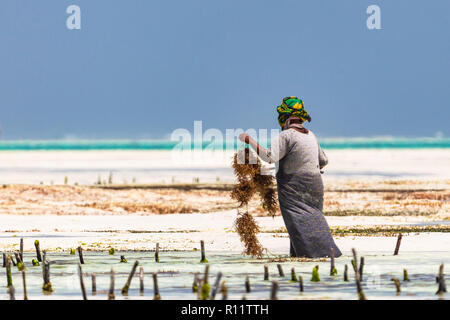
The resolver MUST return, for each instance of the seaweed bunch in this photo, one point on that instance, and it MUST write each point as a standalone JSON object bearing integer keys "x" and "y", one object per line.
{"x": 243, "y": 192}
{"x": 269, "y": 200}
{"x": 247, "y": 168}
{"x": 245, "y": 164}
{"x": 247, "y": 228}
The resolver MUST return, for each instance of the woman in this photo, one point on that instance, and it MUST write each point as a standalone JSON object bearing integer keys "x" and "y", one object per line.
{"x": 299, "y": 159}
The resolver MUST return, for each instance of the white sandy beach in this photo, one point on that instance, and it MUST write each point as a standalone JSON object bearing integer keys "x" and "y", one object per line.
{"x": 84, "y": 167}
{"x": 184, "y": 231}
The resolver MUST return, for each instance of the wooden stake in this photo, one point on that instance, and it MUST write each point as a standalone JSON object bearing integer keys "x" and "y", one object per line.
{"x": 12, "y": 261}
{"x": 202, "y": 248}
{"x": 80, "y": 254}
{"x": 83, "y": 288}
{"x": 141, "y": 280}
{"x": 293, "y": 275}
{"x": 206, "y": 274}
{"x": 156, "y": 295}
{"x": 24, "y": 282}
{"x": 94, "y": 283}
{"x": 126, "y": 287}
{"x": 195, "y": 283}
{"x": 247, "y": 285}
{"x": 44, "y": 256}
{"x": 157, "y": 252}
{"x": 359, "y": 290}
{"x": 12, "y": 291}
{"x": 205, "y": 287}
{"x": 274, "y": 290}
{"x": 111, "y": 295}
{"x": 9, "y": 282}
{"x": 355, "y": 260}
{"x": 405, "y": 275}
{"x": 397, "y": 246}
{"x": 266, "y": 272}
{"x": 361, "y": 267}
{"x": 4, "y": 260}
{"x": 216, "y": 285}
{"x": 346, "y": 273}
{"x": 47, "y": 286}
{"x": 315, "y": 274}
{"x": 38, "y": 250}
{"x": 21, "y": 250}
{"x": 333, "y": 270}
{"x": 224, "y": 291}
{"x": 442, "y": 288}
{"x": 353, "y": 265}
{"x": 280, "y": 270}
{"x": 17, "y": 255}
{"x": 199, "y": 287}
{"x": 300, "y": 280}
{"x": 397, "y": 285}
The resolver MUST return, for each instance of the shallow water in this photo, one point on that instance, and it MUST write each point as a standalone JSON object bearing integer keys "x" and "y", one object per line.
{"x": 176, "y": 272}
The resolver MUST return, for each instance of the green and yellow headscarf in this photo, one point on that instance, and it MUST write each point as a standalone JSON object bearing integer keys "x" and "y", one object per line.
{"x": 292, "y": 107}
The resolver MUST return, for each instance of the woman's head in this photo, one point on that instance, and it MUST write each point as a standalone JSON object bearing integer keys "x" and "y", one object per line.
{"x": 292, "y": 107}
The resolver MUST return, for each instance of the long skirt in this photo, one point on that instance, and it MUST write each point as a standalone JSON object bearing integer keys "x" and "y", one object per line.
{"x": 301, "y": 203}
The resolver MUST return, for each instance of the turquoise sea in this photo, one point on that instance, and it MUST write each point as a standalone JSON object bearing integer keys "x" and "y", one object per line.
{"x": 326, "y": 143}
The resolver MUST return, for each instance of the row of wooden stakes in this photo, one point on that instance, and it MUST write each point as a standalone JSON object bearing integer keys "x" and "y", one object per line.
{"x": 200, "y": 285}
{"x": 19, "y": 255}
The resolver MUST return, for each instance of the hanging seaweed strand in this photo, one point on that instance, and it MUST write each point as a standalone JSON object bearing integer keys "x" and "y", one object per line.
{"x": 247, "y": 169}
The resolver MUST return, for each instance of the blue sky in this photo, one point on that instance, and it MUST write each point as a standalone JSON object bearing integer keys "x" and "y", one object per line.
{"x": 140, "y": 69}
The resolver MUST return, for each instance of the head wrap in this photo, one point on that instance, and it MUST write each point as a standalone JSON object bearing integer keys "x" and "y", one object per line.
{"x": 292, "y": 107}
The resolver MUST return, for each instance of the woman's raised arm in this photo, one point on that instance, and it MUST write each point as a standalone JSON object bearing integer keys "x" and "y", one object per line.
{"x": 276, "y": 152}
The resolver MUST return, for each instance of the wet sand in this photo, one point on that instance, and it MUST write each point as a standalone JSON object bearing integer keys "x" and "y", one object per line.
{"x": 135, "y": 217}
{"x": 429, "y": 199}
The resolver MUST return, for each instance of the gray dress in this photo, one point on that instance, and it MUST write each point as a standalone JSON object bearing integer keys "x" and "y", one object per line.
{"x": 299, "y": 158}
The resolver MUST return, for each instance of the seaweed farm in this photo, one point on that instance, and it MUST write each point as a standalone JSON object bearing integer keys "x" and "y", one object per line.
{"x": 242, "y": 277}
{"x": 367, "y": 216}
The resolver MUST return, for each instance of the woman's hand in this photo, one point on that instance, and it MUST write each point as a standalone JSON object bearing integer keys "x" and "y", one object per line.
{"x": 244, "y": 137}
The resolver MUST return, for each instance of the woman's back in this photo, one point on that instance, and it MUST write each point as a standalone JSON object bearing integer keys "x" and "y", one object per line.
{"x": 299, "y": 153}
{"x": 298, "y": 170}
